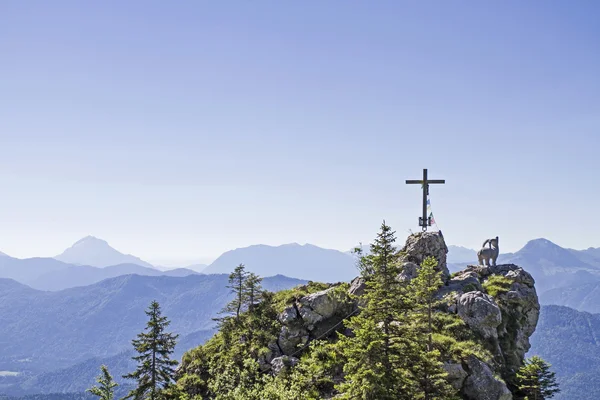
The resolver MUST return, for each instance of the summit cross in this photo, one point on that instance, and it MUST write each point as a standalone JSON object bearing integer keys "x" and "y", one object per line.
{"x": 425, "y": 221}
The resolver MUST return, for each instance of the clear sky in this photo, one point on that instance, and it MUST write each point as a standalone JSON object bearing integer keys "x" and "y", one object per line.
{"x": 179, "y": 130}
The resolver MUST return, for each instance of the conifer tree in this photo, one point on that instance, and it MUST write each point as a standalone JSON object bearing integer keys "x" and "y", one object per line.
{"x": 106, "y": 385}
{"x": 426, "y": 365}
{"x": 536, "y": 381}
{"x": 155, "y": 370}
{"x": 253, "y": 290}
{"x": 376, "y": 365}
{"x": 237, "y": 284}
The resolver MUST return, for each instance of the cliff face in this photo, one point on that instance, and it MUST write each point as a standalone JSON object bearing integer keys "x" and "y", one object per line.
{"x": 499, "y": 303}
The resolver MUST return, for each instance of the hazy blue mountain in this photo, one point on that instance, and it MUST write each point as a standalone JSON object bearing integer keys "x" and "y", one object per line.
{"x": 569, "y": 340}
{"x": 590, "y": 256}
{"x": 97, "y": 253}
{"x": 582, "y": 297}
{"x": 40, "y": 330}
{"x": 29, "y": 269}
{"x": 197, "y": 267}
{"x": 459, "y": 255}
{"x": 81, "y": 376}
{"x": 83, "y": 275}
{"x": 180, "y": 272}
{"x": 300, "y": 261}
{"x": 551, "y": 265}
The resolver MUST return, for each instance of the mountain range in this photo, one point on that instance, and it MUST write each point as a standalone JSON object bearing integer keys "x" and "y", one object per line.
{"x": 89, "y": 261}
{"x": 569, "y": 340}
{"x": 43, "y": 332}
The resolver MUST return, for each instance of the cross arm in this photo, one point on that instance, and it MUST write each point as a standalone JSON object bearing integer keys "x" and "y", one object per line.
{"x": 413, "y": 181}
{"x": 437, "y": 181}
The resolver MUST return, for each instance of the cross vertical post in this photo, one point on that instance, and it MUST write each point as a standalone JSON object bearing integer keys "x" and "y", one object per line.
{"x": 425, "y": 221}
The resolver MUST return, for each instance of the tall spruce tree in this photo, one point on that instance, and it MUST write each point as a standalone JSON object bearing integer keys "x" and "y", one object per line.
{"x": 155, "y": 370}
{"x": 253, "y": 290}
{"x": 106, "y": 385}
{"x": 426, "y": 365}
{"x": 376, "y": 362}
{"x": 237, "y": 285}
{"x": 536, "y": 381}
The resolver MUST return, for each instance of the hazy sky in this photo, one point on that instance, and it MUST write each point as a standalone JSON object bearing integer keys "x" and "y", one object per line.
{"x": 179, "y": 130}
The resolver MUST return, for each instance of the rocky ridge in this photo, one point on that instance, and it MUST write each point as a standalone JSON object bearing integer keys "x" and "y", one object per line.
{"x": 499, "y": 303}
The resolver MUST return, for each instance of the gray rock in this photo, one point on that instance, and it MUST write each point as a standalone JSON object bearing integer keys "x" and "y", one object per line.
{"x": 456, "y": 374}
{"x": 288, "y": 315}
{"x": 357, "y": 287}
{"x": 279, "y": 363}
{"x": 481, "y": 313}
{"x": 521, "y": 307}
{"x": 410, "y": 270}
{"x": 481, "y": 384}
{"x": 425, "y": 244}
{"x": 290, "y": 338}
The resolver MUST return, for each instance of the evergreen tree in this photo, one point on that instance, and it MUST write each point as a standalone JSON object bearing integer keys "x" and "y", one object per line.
{"x": 253, "y": 290}
{"x": 155, "y": 369}
{"x": 426, "y": 365}
{"x": 536, "y": 381}
{"x": 106, "y": 388}
{"x": 376, "y": 362}
{"x": 237, "y": 283}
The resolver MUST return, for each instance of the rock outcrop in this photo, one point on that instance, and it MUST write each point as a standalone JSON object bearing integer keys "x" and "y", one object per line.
{"x": 426, "y": 244}
{"x": 310, "y": 317}
{"x": 504, "y": 318}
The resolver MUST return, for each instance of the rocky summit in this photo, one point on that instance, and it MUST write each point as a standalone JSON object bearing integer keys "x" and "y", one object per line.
{"x": 498, "y": 303}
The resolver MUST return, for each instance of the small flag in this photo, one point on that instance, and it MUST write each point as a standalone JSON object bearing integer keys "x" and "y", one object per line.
{"x": 431, "y": 218}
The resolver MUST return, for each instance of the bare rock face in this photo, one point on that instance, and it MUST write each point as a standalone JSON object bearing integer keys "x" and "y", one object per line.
{"x": 279, "y": 363}
{"x": 410, "y": 270}
{"x": 358, "y": 286}
{"x": 481, "y": 383}
{"x": 481, "y": 313}
{"x": 311, "y": 317}
{"x": 456, "y": 374}
{"x": 425, "y": 244}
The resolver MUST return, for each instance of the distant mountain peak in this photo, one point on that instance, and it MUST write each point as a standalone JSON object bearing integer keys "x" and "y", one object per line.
{"x": 90, "y": 240}
{"x": 542, "y": 244}
{"x": 96, "y": 252}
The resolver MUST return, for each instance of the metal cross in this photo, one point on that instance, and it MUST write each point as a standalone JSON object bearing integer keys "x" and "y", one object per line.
{"x": 425, "y": 221}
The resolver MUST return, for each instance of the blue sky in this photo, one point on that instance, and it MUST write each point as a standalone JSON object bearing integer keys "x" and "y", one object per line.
{"x": 179, "y": 131}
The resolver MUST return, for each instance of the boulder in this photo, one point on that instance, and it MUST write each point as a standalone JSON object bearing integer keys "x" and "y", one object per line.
{"x": 481, "y": 313}
{"x": 358, "y": 286}
{"x": 279, "y": 363}
{"x": 456, "y": 374}
{"x": 410, "y": 270}
{"x": 291, "y": 338}
{"x": 481, "y": 384}
{"x": 425, "y": 244}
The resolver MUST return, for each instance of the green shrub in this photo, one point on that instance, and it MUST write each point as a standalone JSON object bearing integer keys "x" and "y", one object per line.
{"x": 497, "y": 284}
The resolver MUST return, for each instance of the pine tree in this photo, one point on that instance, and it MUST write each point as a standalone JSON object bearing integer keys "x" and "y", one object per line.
{"x": 376, "y": 365}
{"x": 237, "y": 284}
{"x": 155, "y": 369}
{"x": 252, "y": 290}
{"x": 426, "y": 365}
{"x": 536, "y": 381}
{"x": 106, "y": 388}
